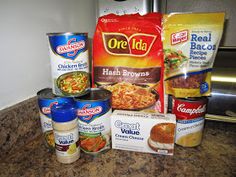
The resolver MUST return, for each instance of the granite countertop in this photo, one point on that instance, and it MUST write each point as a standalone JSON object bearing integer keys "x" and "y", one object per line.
{"x": 215, "y": 157}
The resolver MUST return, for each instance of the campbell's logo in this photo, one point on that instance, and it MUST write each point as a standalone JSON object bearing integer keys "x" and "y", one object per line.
{"x": 199, "y": 110}
{"x": 179, "y": 37}
{"x": 138, "y": 44}
{"x": 47, "y": 110}
{"x": 71, "y": 48}
{"x": 89, "y": 112}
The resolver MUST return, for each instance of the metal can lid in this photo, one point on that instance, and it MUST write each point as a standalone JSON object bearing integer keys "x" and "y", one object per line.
{"x": 193, "y": 99}
{"x": 95, "y": 94}
{"x": 63, "y": 112}
{"x": 46, "y": 93}
{"x": 67, "y": 34}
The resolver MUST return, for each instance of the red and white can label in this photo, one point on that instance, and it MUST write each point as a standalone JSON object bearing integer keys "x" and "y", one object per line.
{"x": 190, "y": 116}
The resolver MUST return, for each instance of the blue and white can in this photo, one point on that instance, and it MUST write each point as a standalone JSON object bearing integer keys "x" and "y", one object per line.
{"x": 46, "y": 99}
{"x": 69, "y": 63}
{"x": 94, "y": 112}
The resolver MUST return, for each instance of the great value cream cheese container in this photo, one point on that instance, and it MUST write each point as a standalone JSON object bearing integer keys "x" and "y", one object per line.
{"x": 143, "y": 132}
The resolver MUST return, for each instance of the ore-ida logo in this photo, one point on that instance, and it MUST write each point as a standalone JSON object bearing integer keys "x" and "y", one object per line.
{"x": 138, "y": 44}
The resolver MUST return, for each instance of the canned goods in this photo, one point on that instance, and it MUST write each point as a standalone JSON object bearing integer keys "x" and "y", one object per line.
{"x": 46, "y": 99}
{"x": 69, "y": 63}
{"x": 94, "y": 111}
{"x": 190, "y": 117}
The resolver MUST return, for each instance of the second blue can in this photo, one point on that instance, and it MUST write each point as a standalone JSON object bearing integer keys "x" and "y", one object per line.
{"x": 94, "y": 111}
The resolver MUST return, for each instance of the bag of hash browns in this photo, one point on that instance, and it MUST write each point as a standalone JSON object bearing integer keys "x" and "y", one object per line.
{"x": 128, "y": 61}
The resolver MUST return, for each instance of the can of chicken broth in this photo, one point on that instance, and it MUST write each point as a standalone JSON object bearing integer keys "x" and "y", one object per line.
{"x": 69, "y": 63}
{"x": 46, "y": 99}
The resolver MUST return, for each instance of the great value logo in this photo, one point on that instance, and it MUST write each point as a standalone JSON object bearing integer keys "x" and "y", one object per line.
{"x": 128, "y": 128}
{"x": 138, "y": 44}
{"x": 64, "y": 139}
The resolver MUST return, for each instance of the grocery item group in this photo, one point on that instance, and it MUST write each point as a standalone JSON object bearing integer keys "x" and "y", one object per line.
{"x": 137, "y": 62}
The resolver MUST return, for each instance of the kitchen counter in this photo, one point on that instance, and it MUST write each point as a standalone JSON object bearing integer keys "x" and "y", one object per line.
{"x": 215, "y": 157}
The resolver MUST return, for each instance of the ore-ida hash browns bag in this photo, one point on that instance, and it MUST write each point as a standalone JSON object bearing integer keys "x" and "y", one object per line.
{"x": 128, "y": 60}
{"x": 190, "y": 44}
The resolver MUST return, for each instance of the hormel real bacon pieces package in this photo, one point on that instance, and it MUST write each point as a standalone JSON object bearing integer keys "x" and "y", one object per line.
{"x": 128, "y": 61}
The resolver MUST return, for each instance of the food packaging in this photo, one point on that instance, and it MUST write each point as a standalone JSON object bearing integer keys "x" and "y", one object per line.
{"x": 69, "y": 63}
{"x": 190, "y": 117}
{"x": 143, "y": 132}
{"x": 128, "y": 61}
{"x": 190, "y": 42}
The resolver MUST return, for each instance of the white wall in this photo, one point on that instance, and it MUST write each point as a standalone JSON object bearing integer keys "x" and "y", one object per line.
{"x": 25, "y": 64}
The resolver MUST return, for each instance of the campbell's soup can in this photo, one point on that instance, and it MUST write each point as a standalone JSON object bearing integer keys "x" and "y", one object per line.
{"x": 46, "y": 99}
{"x": 94, "y": 112}
{"x": 69, "y": 63}
{"x": 190, "y": 117}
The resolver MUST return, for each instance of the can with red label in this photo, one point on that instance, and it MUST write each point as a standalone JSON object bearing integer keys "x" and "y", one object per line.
{"x": 190, "y": 117}
{"x": 69, "y": 63}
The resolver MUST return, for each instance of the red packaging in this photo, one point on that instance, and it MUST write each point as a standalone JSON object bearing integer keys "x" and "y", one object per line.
{"x": 190, "y": 116}
{"x": 128, "y": 61}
